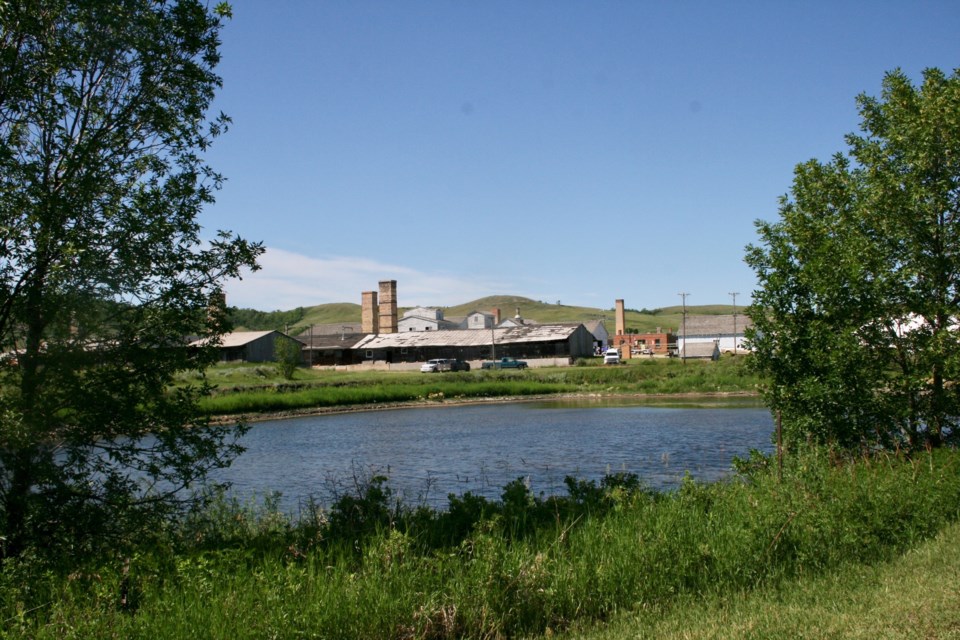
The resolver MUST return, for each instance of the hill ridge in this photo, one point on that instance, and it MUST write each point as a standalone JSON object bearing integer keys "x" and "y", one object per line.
{"x": 642, "y": 320}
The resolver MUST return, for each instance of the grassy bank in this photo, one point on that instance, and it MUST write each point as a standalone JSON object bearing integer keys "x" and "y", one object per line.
{"x": 482, "y": 569}
{"x": 245, "y": 389}
{"x": 911, "y": 596}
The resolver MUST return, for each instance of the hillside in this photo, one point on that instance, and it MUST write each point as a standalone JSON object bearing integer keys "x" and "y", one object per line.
{"x": 643, "y": 320}
{"x": 294, "y": 320}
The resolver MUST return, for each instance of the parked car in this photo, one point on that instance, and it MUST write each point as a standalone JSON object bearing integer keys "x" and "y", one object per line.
{"x": 444, "y": 364}
{"x": 432, "y": 366}
{"x": 611, "y": 356}
{"x": 458, "y": 365}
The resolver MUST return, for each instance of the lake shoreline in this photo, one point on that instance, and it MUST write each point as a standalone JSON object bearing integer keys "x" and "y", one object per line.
{"x": 270, "y": 416}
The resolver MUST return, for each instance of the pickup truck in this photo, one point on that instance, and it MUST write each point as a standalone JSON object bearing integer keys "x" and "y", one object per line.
{"x": 504, "y": 363}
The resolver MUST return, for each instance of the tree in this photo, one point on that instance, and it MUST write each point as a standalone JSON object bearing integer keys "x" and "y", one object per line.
{"x": 855, "y": 317}
{"x": 103, "y": 271}
{"x": 287, "y": 356}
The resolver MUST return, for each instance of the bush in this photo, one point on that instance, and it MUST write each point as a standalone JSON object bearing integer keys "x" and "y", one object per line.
{"x": 510, "y": 567}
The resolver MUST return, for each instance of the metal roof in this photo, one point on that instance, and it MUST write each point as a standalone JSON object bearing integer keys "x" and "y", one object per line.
{"x": 334, "y": 328}
{"x": 237, "y": 338}
{"x": 713, "y": 325}
{"x": 469, "y": 337}
{"x": 338, "y": 341}
{"x": 594, "y": 325}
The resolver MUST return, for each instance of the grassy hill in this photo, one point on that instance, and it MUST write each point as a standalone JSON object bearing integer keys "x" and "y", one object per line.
{"x": 332, "y": 313}
{"x": 643, "y": 320}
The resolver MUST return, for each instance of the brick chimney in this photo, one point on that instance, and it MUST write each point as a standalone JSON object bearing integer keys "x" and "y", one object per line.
{"x": 388, "y": 306}
{"x": 368, "y": 313}
{"x": 496, "y": 316}
{"x": 621, "y": 318}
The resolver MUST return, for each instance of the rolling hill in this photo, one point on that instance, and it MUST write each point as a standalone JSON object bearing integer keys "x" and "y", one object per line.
{"x": 641, "y": 320}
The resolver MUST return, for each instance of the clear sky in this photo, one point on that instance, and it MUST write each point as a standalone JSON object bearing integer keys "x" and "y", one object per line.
{"x": 564, "y": 151}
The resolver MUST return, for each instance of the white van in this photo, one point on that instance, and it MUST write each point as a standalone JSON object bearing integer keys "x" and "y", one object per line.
{"x": 611, "y": 356}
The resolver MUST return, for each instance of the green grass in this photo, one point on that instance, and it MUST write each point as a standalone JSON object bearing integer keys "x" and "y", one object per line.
{"x": 282, "y": 399}
{"x": 910, "y": 596}
{"x": 732, "y": 559}
{"x": 246, "y": 389}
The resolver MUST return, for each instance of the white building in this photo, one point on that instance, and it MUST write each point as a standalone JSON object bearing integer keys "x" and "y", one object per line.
{"x": 726, "y": 331}
{"x": 424, "y": 319}
{"x": 480, "y": 320}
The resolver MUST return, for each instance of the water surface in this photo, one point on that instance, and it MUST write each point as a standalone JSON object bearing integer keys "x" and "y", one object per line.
{"x": 428, "y": 453}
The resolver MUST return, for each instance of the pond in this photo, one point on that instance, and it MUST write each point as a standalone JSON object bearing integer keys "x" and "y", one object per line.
{"x": 428, "y": 453}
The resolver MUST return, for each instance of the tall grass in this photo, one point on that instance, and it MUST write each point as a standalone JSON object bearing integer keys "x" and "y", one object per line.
{"x": 249, "y": 392}
{"x": 283, "y": 398}
{"x": 522, "y": 565}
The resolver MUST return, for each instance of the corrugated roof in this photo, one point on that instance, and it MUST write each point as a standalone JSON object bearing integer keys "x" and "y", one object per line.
{"x": 338, "y": 341}
{"x": 593, "y": 325}
{"x": 236, "y": 338}
{"x": 713, "y": 325}
{"x": 334, "y": 328}
{"x": 468, "y": 337}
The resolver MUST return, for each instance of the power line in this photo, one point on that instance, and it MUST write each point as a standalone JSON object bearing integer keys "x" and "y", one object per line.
{"x": 734, "y": 294}
{"x": 683, "y": 356}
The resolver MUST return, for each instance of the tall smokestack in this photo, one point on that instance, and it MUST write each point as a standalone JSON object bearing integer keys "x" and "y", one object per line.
{"x": 496, "y": 316}
{"x": 621, "y": 318}
{"x": 388, "y": 306}
{"x": 368, "y": 313}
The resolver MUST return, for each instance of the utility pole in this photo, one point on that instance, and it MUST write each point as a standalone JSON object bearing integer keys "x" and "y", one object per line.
{"x": 683, "y": 356}
{"x": 734, "y": 294}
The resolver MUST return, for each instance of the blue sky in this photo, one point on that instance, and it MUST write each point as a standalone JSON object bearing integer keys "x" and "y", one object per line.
{"x": 563, "y": 151}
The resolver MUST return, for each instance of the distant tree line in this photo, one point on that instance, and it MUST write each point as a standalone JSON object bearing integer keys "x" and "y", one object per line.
{"x": 644, "y": 311}
{"x": 254, "y": 320}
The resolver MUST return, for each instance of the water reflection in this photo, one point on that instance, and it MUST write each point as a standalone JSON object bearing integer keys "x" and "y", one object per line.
{"x": 431, "y": 452}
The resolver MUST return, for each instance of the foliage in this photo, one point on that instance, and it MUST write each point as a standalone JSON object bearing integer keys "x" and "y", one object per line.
{"x": 913, "y": 596}
{"x": 253, "y": 320}
{"x": 286, "y": 356}
{"x": 855, "y": 319}
{"x": 252, "y": 389}
{"x": 552, "y": 563}
{"x": 103, "y": 272}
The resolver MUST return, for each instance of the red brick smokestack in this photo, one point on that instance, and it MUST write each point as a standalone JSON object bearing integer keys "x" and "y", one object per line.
{"x": 496, "y": 316}
{"x": 621, "y": 318}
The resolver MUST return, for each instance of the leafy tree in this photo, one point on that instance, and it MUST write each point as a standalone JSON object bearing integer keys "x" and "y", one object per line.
{"x": 103, "y": 271}
{"x": 253, "y": 320}
{"x": 287, "y": 355}
{"x": 859, "y": 280}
